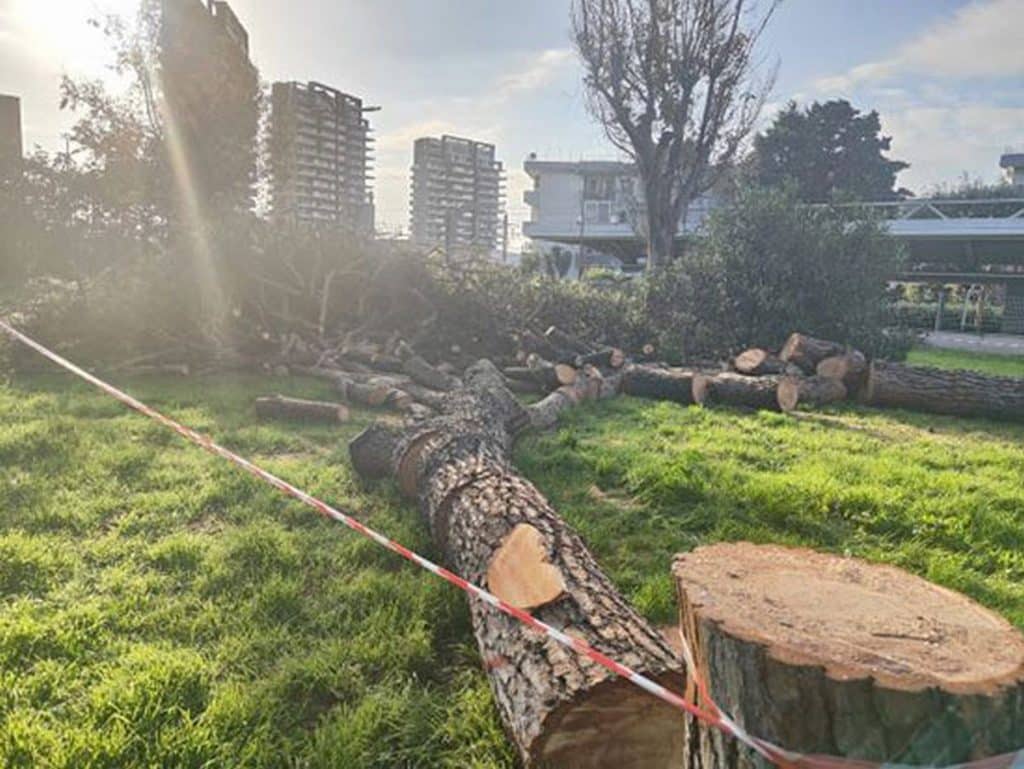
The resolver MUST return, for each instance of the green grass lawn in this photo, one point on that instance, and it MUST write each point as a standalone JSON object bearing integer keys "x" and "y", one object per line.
{"x": 986, "y": 363}
{"x": 160, "y": 608}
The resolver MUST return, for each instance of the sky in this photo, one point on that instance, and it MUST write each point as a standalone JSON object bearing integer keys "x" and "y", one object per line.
{"x": 947, "y": 76}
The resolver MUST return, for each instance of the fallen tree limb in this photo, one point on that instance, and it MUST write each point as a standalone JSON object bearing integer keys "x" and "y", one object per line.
{"x": 423, "y": 372}
{"x": 559, "y": 709}
{"x": 280, "y": 407}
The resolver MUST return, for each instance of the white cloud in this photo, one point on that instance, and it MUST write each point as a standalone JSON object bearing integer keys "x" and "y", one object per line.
{"x": 982, "y": 39}
{"x": 944, "y": 143}
{"x": 536, "y": 74}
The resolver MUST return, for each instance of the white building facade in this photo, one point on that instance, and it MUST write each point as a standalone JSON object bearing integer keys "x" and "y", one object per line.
{"x": 592, "y": 206}
{"x": 1013, "y": 167}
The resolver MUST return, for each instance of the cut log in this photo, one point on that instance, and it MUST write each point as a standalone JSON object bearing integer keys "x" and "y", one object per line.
{"x": 822, "y": 654}
{"x": 729, "y": 389}
{"x": 807, "y": 352}
{"x": 549, "y": 376}
{"x": 520, "y": 573}
{"x": 757, "y": 361}
{"x": 558, "y": 708}
{"x": 809, "y": 391}
{"x": 659, "y": 383}
{"x": 851, "y": 368}
{"x": 610, "y": 357}
{"x": 280, "y": 407}
{"x": 590, "y": 384}
{"x": 938, "y": 391}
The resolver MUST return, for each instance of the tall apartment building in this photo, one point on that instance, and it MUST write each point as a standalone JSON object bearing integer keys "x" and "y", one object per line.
{"x": 10, "y": 135}
{"x": 457, "y": 192}
{"x": 320, "y": 156}
{"x": 209, "y": 98}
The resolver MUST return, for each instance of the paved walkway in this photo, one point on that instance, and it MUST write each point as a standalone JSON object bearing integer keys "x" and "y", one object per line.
{"x": 998, "y": 344}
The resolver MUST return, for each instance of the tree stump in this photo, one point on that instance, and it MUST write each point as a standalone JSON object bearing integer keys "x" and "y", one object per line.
{"x": 822, "y": 654}
{"x": 807, "y": 352}
{"x": 938, "y": 391}
{"x": 728, "y": 389}
{"x": 809, "y": 391}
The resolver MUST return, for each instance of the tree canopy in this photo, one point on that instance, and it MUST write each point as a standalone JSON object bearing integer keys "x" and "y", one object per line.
{"x": 826, "y": 152}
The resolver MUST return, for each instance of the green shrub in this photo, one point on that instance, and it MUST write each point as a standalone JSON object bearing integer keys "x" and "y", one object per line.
{"x": 769, "y": 266}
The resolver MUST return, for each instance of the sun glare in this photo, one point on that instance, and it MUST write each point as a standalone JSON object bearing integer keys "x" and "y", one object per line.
{"x": 59, "y": 31}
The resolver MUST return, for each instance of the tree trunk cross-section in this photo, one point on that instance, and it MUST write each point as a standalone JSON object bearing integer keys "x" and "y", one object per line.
{"x": 822, "y": 654}
{"x": 756, "y": 362}
{"x": 807, "y": 352}
{"x": 559, "y": 708}
{"x": 809, "y": 391}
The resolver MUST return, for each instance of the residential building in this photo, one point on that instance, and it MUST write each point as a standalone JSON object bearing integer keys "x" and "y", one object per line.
{"x": 592, "y": 206}
{"x": 10, "y": 136}
{"x": 457, "y": 193}
{"x": 209, "y": 102}
{"x": 320, "y": 156}
{"x": 1012, "y": 164}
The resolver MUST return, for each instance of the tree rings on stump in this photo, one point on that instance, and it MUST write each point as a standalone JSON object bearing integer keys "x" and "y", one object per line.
{"x": 830, "y": 655}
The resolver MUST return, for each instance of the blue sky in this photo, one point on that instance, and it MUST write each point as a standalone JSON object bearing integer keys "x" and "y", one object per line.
{"x": 947, "y": 76}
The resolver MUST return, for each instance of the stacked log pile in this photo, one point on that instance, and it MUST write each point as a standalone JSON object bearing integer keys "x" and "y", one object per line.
{"x": 817, "y": 372}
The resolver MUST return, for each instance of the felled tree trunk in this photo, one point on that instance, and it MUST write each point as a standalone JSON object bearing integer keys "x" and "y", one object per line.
{"x": 728, "y": 389}
{"x": 851, "y": 368}
{"x": 546, "y": 374}
{"x": 757, "y": 362}
{"x": 559, "y": 708}
{"x": 659, "y": 383}
{"x": 809, "y": 391}
{"x": 960, "y": 393}
{"x": 822, "y": 654}
{"x": 807, "y": 352}
{"x": 280, "y": 407}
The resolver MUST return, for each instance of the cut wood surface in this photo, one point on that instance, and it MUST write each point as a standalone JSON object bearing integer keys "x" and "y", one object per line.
{"x": 824, "y": 654}
{"x": 659, "y": 383}
{"x": 757, "y": 361}
{"x": 940, "y": 391}
{"x": 729, "y": 389}
{"x": 280, "y": 407}
{"x": 851, "y": 368}
{"x": 559, "y": 708}
{"x": 520, "y": 572}
{"x": 807, "y": 352}
{"x": 809, "y": 391}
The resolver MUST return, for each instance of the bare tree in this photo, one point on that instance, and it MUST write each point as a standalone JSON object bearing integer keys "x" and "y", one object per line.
{"x": 674, "y": 84}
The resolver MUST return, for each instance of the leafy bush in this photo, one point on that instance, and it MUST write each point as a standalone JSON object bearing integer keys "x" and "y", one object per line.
{"x": 769, "y": 266}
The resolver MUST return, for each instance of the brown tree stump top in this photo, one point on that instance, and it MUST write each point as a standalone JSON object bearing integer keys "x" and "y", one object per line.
{"x": 855, "y": 619}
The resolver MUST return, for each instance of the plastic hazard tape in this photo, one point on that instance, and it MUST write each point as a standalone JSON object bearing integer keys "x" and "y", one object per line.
{"x": 710, "y": 714}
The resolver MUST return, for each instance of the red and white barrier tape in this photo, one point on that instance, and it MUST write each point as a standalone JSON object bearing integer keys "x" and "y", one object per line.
{"x": 714, "y": 717}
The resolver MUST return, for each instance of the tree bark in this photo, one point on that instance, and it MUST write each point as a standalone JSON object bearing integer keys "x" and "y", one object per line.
{"x": 658, "y": 383}
{"x": 807, "y": 352}
{"x": 959, "y": 393}
{"x": 728, "y": 389}
{"x": 423, "y": 372}
{"x": 851, "y": 368}
{"x": 822, "y": 654}
{"x": 757, "y": 362}
{"x": 548, "y": 375}
{"x": 558, "y": 708}
{"x": 280, "y": 407}
{"x": 809, "y": 391}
